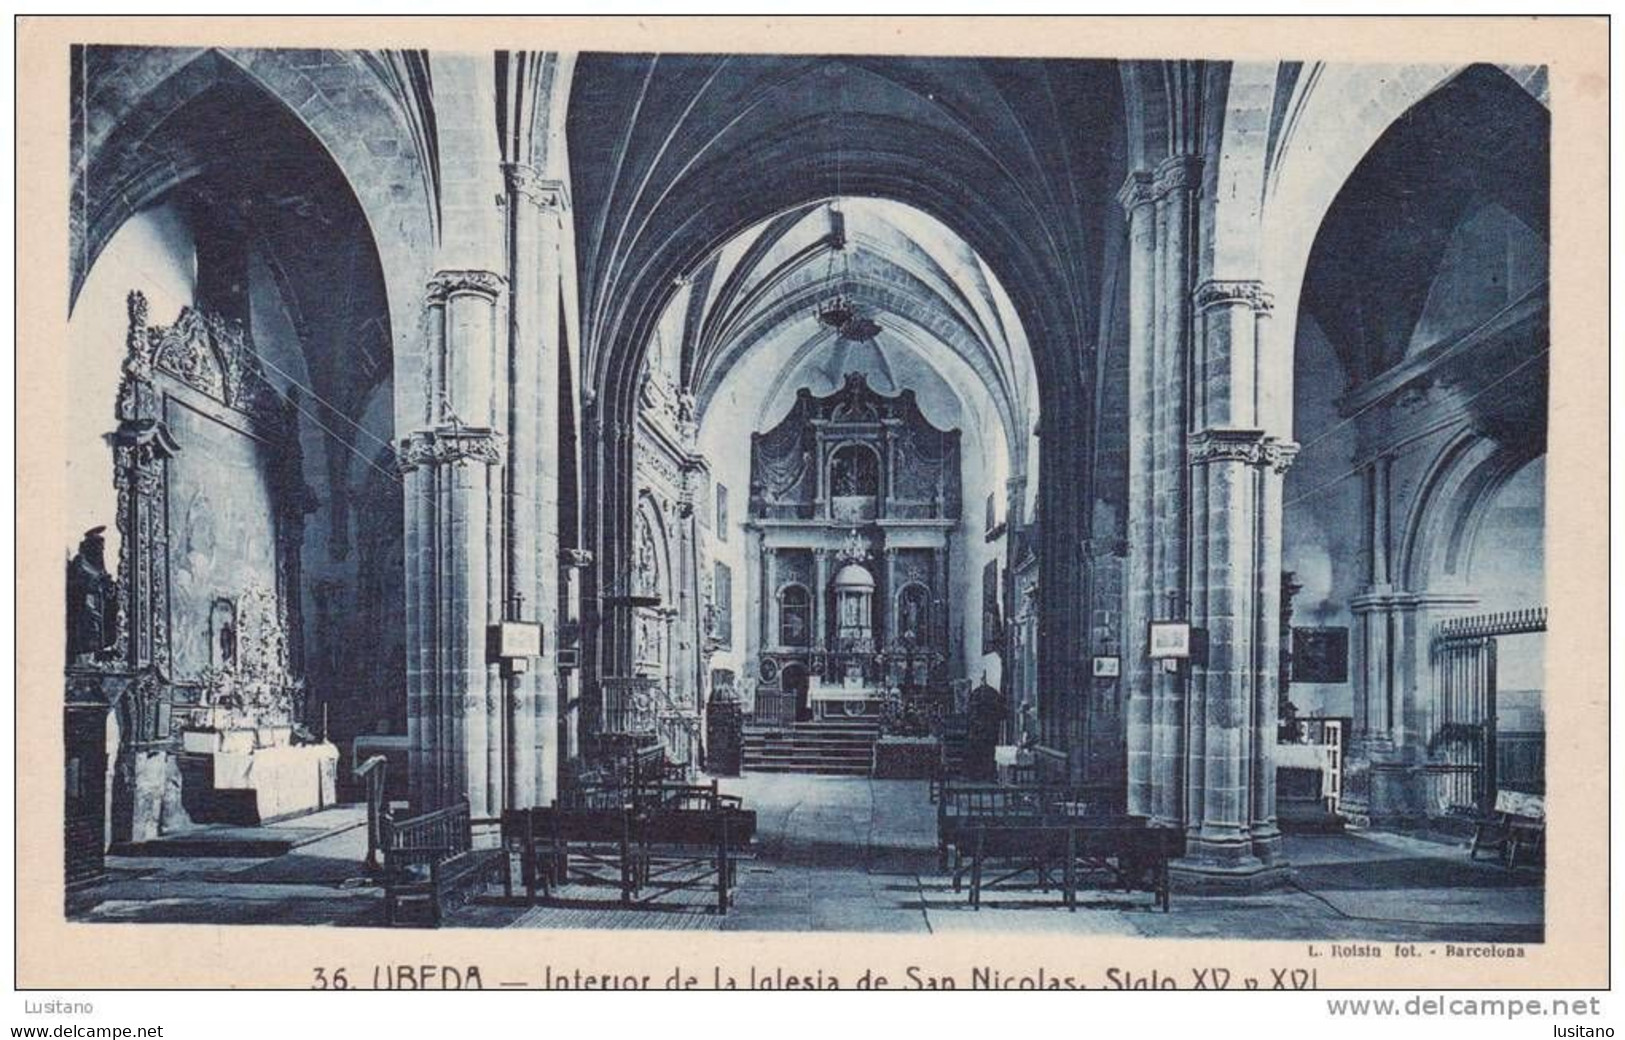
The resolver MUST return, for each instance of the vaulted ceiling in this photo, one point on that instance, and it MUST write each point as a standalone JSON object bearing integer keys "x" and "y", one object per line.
{"x": 248, "y": 171}
{"x": 935, "y": 301}
{"x": 675, "y": 157}
{"x": 1481, "y": 139}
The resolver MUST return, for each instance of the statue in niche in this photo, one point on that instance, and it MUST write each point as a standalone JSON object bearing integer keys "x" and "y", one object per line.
{"x": 92, "y": 598}
{"x": 912, "y": 622}
{"x": 853, "y": 473}
{"x": 648, "y": 569}
{"x": 223, "y": 623}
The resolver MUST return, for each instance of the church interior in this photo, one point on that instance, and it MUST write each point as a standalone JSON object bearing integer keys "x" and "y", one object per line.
{"x": 469, "y": 440}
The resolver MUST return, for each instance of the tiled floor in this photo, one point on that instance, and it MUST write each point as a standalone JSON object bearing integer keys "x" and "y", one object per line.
{"x": 851, "y": 854}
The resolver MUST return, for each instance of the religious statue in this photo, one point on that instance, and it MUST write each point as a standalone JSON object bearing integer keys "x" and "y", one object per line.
{"x": 852, "y": 613}
{"x": 844, "y": 478}
{"x": 912, "y": 613}
{"x": 92, "y": 598}
{"x": 648, "y": 569}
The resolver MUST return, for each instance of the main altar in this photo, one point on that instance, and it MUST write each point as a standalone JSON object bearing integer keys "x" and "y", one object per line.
{"x": 850, "y": 697}
{"x": 854, "y": 497}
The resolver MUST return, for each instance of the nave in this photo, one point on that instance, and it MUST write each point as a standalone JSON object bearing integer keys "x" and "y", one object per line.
{"x": 853, "y": 854}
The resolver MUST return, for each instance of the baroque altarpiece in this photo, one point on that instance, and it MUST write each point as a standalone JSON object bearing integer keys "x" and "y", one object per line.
{"x": 189, "y": 706}
{"x": 854, "y": 497}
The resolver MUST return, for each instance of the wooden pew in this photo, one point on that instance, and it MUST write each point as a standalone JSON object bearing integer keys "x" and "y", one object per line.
{"x": 960, "y": 805}
{"x": 647, "y": 843}
{"x": 430, "y": 857}
{"x": 1517, "y": 825}
{"x": 1132, "y": 854}
{"x": 577, "y": 843}
{"x": 679, "y": 849}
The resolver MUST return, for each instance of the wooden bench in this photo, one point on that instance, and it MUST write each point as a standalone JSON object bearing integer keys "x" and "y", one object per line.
{"x": 588, "y": 844}
{"x": 652, "y": 795}
{"x": 1516, "y": 826}
{"x": 960, "y": 806}
{"x": 658, "y": 840}
{"x": 679, "y": 849}
{"x": 1060, "y": 852}
{"x": 431, "y": 858}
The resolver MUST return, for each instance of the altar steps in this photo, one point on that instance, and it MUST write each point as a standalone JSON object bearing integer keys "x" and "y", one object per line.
{"x": 825, "y": 748}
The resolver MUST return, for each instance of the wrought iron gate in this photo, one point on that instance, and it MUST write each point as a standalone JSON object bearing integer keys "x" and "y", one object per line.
{"x": 1463, "y": 757}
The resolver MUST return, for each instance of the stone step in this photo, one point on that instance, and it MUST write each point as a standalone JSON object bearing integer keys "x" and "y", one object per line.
{"x": 810, "y": 730}
{"x": 833, "y": 751}
{"x": 820, "y": 740}
{"x": 840, "y": 747}
{"x": 803, "y": 755}
{"x": 808, "y": 738}
{"x": 815, "y": 766}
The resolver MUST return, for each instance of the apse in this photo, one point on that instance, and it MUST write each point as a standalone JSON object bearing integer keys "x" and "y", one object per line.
{"x": 841, "y": 309}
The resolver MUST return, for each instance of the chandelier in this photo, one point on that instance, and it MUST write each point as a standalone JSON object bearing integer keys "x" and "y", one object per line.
{"x": 836, "y": 312}
{"x": 840, "y": 312}
{"x": 859, "y": 329}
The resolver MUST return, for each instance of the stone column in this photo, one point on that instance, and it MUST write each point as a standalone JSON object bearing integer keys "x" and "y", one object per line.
{"x": 1161, "y": 216}
{"x": 754, "y": 614}
{"x": 821, "y": 640}
{"x": 1174, "y": 184}
{"x": 536, "y": 209}
{"x": 1237, "y": 471}
{"x": 880, "y": 618}
{"x": 452, "y": 471}
{"x": 1136, "y": 199}
{"x": 1380, "y": 771}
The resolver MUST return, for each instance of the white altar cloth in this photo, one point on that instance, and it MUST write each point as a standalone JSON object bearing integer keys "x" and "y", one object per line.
{"x": 285, "y": 780}
{"x": 819, "y": 691}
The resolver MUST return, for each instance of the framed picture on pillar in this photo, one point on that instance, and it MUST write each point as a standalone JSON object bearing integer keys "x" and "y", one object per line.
{"x": 1107, "y": 667}
{"x": 1320, "y": 655}
{"x": 1170, "y": 640}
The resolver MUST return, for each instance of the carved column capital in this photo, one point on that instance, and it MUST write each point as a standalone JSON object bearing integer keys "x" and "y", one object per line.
{"x": 147, "y": 440}
{"x": 526, "y": 182}
{"x": 1135, "y": 192}
{"x": 446, "y": 284}
{"x": 1176, "y": 173}
{"x": 1218, "y": 292}
{"x": 447, "y": 445}
{"x": 1226, "y": 445}
{"x": 1251, "y": 447}
{"x": 1279, "y": 455}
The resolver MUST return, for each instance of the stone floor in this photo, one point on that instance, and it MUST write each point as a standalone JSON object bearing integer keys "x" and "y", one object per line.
{"x": 852, "y": 854}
